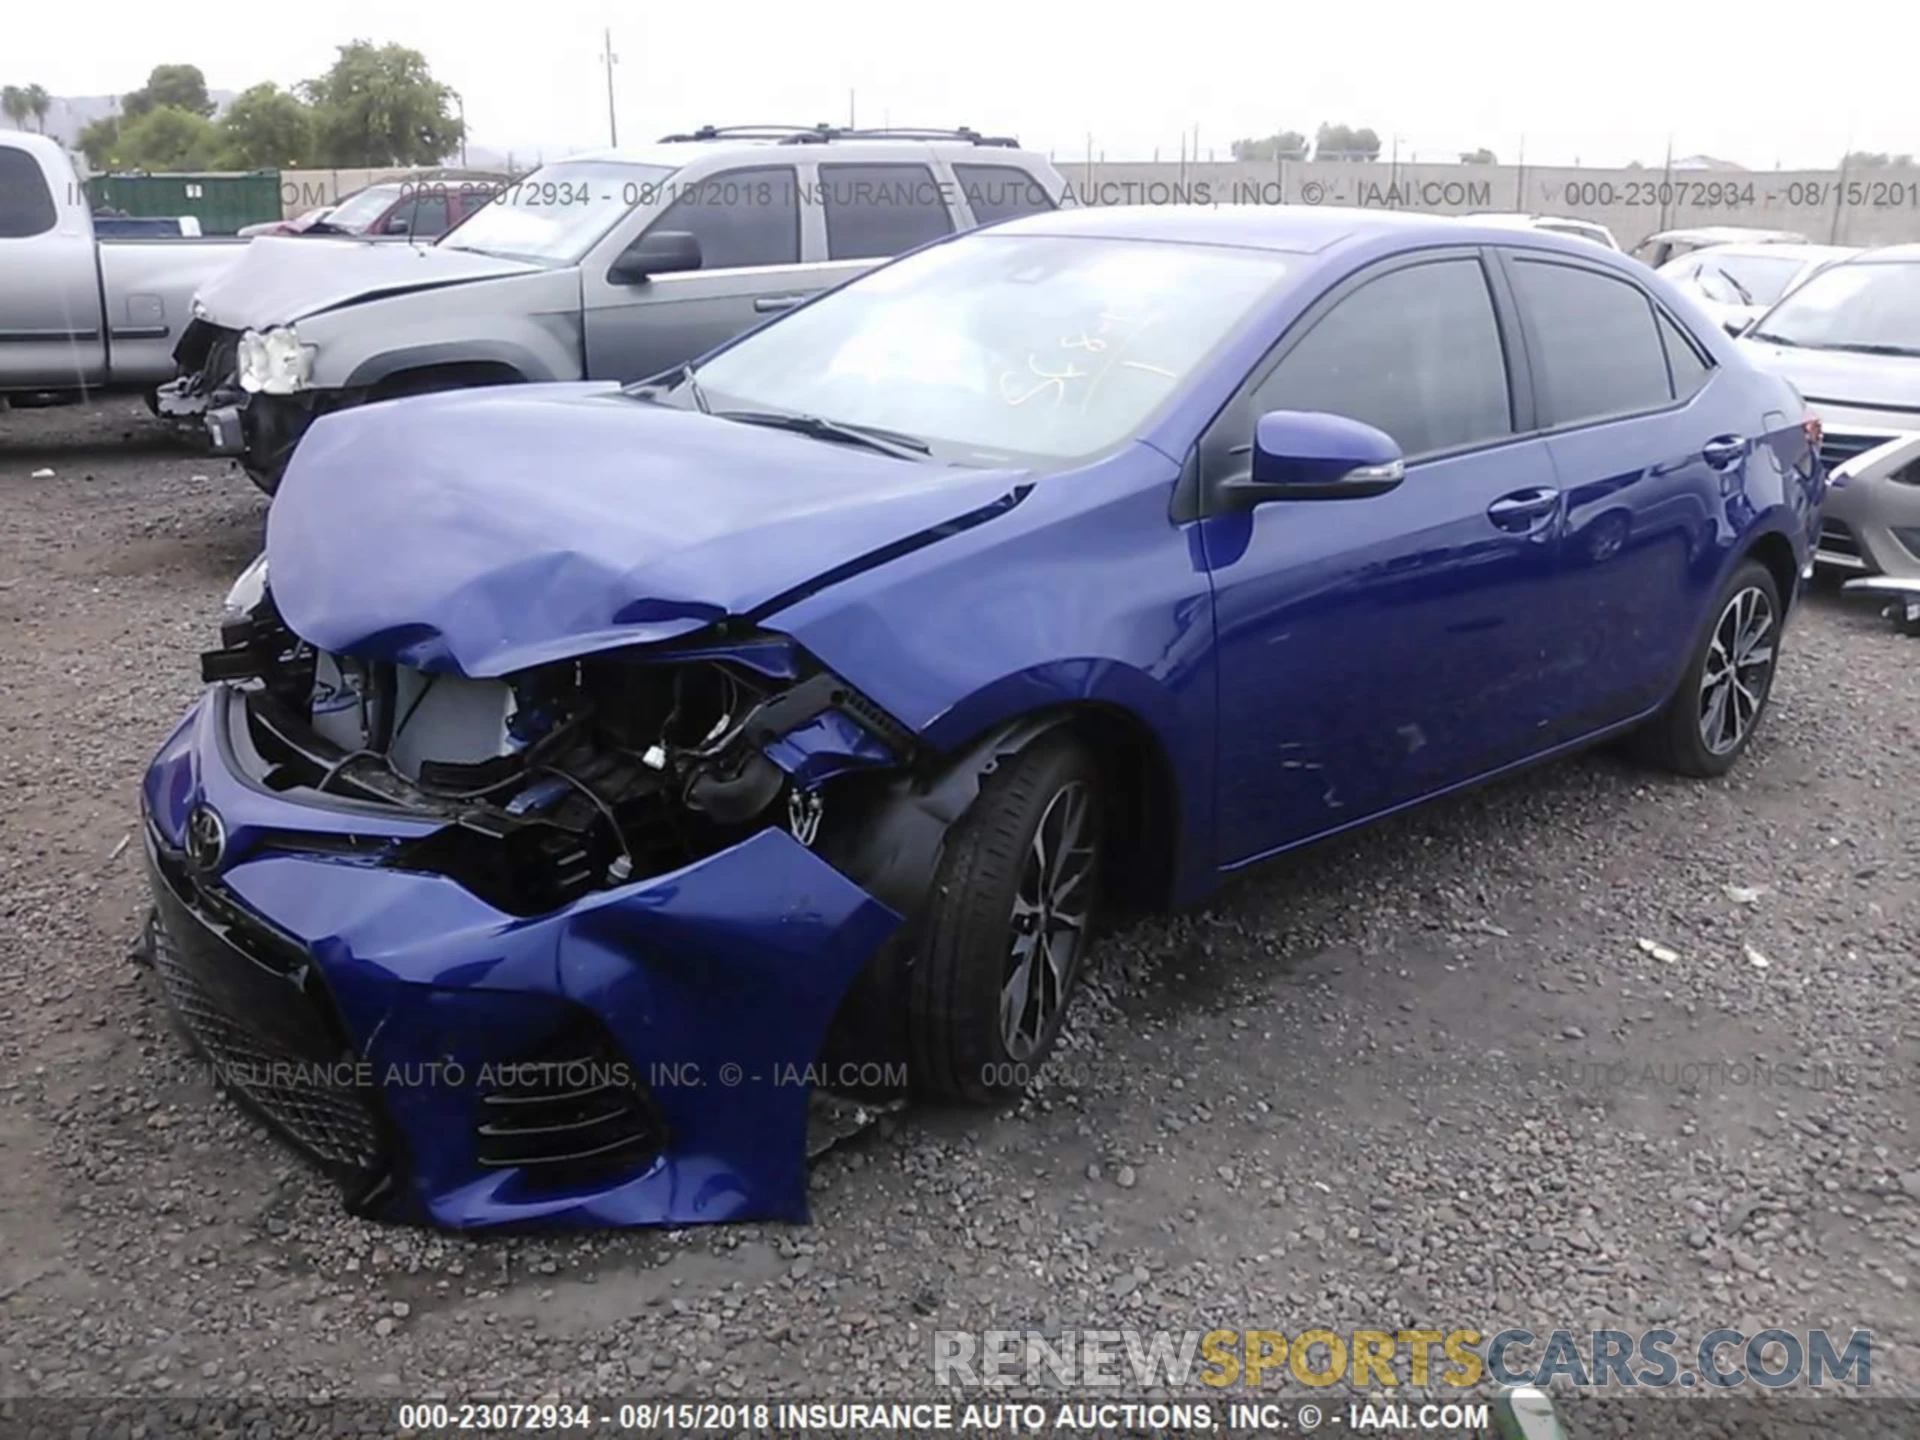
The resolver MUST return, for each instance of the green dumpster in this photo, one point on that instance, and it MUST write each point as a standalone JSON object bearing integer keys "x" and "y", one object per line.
{"x": 221, "y": 201}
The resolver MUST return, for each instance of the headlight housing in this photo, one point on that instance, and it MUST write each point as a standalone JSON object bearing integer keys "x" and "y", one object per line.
{"x": 274, "y": 362}
{"x": 247, "y": 592}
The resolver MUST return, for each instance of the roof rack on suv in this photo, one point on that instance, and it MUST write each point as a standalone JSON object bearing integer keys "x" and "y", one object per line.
{"x": 822, "y": 134}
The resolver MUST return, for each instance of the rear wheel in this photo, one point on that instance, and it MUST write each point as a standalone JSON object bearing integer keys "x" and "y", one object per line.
{"x": 1712, "y": 718}
{"x": 1009, "y": 926}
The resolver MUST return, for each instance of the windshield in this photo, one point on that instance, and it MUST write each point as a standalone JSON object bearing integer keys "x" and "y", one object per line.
{"x": 357, "y": 212}
{"x": 1000, "y": 346}
{"x": 556, "y": 214}
{"x": 1760, "y": 278}
{"x": 1858, "y": 306}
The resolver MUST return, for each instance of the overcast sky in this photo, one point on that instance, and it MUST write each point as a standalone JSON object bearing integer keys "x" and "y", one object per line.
{"x": 1604, "y": 85}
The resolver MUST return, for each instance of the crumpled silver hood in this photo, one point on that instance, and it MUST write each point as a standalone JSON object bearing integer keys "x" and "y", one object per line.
{"x": 282, "y": 278}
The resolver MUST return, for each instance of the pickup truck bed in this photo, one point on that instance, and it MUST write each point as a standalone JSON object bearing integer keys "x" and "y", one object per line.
{"x": 78, "y": 312}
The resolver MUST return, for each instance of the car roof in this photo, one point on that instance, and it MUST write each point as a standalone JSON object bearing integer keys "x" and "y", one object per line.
{"x": 1773, "y": 252}
{"x": 1729, "y": 234}
{"x": 1296, "y": 229}
{"x": 1905, "y": 253}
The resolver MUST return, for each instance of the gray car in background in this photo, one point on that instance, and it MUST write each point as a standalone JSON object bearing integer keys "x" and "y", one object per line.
{"x": 1737, "y": 284}
{"x": 609, "y": 266}
{"x": 1849, "y": 340}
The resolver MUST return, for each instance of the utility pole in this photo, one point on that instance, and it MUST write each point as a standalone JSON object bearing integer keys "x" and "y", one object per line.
{"x": 613, "y": 125}
{"x": 850, "y": 123}
{"x": 460, "y": 106}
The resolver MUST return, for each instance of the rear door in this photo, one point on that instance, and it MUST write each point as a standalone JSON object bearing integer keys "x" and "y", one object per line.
{"x": 748, "y": 224}
{"x": 1651, "y": 445}
{"x": 50, "y": 320}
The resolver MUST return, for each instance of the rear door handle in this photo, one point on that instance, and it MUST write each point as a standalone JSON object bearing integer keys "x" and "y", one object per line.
{"x": 1724, "y": 452}
{"x": 768, "y": 303}
{"x": 1522, "y": 508}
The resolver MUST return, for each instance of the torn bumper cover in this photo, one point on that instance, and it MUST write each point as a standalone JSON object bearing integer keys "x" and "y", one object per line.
{"x": 640, "y": 1055}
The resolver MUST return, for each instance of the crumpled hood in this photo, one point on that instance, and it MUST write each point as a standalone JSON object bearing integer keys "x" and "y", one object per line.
{"x": 484, "y": 531}
{"x": 281, "y": 278}
{"x": 1874, "y": 391}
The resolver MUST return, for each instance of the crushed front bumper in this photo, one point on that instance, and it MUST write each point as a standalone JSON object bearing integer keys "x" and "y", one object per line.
{"x": 642, "y": 1056}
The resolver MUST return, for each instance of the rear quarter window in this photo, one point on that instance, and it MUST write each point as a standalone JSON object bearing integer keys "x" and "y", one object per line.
{"x": 1001, "y": 192}
{"x": 26, "y": 205}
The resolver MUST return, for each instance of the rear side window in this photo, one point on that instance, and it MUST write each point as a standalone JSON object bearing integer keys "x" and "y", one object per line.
{"x": 1595, "y": 342}
{"x": 1001, "y": 192}
{"x": 26, "y": 207}
{"x": 1416, "y": 353}
{"x": 875, "y": 211}
{"x": 1689, "y": 371}
{"x": 740, "y": 217}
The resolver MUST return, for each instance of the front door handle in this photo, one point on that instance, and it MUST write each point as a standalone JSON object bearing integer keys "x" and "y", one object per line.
{"x": 1521, "y": 509}
{"x": 766, "y": 304}
{"x": 1724, "y": 452}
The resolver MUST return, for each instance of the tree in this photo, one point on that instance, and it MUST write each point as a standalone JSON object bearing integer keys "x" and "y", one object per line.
{"x": 1873, "y": 160}
{"x": 13, "y": 103}
{"x": 98, "y": 140}
{"x": 165, "y": 138}
{"x": 1342, "y": 142}
{"x": 1281, "y": 145}
{"x": 266, "y": 128}
{"x": 380, "y": 105}
{"x": 181, "y": 87}
{"x": 39, "y": 102}
{"x": 1482, "y": 156}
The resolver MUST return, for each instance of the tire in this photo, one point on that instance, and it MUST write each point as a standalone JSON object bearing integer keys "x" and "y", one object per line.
{"x": 959, "y": 1044}
{"x": 1698, "y": 735}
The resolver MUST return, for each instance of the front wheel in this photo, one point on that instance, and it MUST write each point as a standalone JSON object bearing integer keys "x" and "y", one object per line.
{"x": 1008, "y": 930}
{"x": 1712, "y": 718}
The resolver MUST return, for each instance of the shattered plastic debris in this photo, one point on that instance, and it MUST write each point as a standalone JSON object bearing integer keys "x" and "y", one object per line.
{"x": 1662, "y": 953}
{"x": 1756, "y": 959}
{"x": 1745, "y": 894}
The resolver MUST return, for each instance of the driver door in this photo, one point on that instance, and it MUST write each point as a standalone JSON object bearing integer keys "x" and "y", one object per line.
{"x": 1375, "y": 650}
{"x": 748, "y": 226}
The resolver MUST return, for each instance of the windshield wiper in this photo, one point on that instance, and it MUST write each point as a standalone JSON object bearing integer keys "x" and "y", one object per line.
{"x": 1867, "y": 348}
{"x": 667, "y": 381}
{"x": 1771, "y": 339}
{"x": 887, "y": 442}
{"x": 1746, "y": 296}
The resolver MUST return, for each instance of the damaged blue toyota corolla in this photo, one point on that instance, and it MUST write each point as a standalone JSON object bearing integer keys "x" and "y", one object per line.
{"x": 585, "y": 772}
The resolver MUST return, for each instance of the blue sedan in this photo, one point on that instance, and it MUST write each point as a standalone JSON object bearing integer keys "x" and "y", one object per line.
{"x": 588, "y": 776}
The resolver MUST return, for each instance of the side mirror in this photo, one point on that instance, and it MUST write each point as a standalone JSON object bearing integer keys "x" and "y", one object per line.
{"x": 1311, "y": 455}
{"x": 660, "y": 252}
{"x": 399, "y": 225}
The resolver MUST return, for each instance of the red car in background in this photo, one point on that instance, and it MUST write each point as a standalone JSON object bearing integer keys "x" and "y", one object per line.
{"x": 420, "y": 207}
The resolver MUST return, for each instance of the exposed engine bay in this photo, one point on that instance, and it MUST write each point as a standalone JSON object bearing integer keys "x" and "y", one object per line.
{"x": 570, "y": 777}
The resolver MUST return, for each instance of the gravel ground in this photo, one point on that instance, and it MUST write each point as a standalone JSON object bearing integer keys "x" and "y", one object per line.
{"x": 1433, "y": 1074}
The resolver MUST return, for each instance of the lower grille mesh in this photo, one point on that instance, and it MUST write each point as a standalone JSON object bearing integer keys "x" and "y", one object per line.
{"x": 330, "y": 1121}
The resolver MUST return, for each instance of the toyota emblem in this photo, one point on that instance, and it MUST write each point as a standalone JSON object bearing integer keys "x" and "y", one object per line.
{"x": 206, "y": 838}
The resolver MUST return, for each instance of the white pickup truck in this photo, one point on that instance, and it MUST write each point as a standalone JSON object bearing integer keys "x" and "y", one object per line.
{"x": 79, "y": 313}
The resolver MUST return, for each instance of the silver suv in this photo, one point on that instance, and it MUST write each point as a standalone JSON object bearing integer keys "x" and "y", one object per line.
{"x": 615, "y": 265}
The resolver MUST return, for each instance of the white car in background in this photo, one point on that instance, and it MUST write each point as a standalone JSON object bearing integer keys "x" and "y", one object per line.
{"x": 1557, "y": 224}
{"x": 1737, "y": 284}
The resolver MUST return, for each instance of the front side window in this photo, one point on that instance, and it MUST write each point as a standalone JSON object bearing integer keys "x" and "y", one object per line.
{"x": 740, "y": 218}
{"x": 876, "y": 211}
{"x": 1416, "y": 353}
{"x": 999, "y": 347}
{"x": 1872, "y": 307}
{"x": 1597, "y": 348}
{"x": 26, "y": 208}
{"x": 560, "y": 211}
